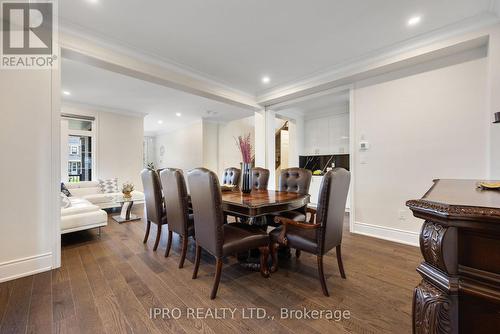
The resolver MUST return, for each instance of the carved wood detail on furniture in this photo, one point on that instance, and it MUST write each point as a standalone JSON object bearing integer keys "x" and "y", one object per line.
{"x": 460, "y": 243}
{"x": 432, "y": 310}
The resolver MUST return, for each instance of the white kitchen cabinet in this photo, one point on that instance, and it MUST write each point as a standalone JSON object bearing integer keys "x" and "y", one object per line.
{"x": 327, "y": 135}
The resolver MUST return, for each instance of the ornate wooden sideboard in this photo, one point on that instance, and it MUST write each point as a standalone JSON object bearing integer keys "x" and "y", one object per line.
{"x": 460, "y": 243}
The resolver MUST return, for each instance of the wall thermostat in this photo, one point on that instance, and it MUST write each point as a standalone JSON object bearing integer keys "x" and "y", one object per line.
{"x": 364, "y": 145}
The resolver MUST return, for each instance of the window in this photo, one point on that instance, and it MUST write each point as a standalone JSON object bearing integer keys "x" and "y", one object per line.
{"x": 74, "y": 150}
{"x": 79, "y": 136}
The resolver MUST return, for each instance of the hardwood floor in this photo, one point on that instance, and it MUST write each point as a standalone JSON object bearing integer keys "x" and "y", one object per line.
{"x": 110, "y": 285}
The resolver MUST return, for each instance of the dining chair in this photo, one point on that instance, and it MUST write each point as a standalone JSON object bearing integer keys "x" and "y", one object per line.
{"x": 260, "y": 178}
{"x": 212, "y": 234}
{"x": 297, "y": 180}
{"x": 177, "y": 207}
{"x": 324, "y": 230}
{"x": 231, "y": 176}
{"x": 155, "y": 212}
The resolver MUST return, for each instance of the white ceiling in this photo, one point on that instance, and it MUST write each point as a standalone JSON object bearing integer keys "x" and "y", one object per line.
{"x": 101, "y": 88}
{"x": 236, "y": 42}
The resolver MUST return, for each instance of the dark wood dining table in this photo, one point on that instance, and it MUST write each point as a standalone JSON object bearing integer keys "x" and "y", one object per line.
{"x": 252, "y": 208}
{"x": 260, "y": 203}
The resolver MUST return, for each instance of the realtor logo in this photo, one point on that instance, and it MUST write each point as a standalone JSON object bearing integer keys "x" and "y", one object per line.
{"x": 28, "y": 34}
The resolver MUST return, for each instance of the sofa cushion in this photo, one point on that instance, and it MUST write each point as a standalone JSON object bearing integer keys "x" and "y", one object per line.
{"x": 82, "y": 192}
{"x": 82, "y": 184}
{"x": 81, "y": 220}
{"x": 99, "y": 198}
{"x": 65, "y": 202}
{"x": 109, "y": 185}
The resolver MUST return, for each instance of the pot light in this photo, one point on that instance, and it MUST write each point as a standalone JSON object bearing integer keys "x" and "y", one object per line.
{"x": 67, "y": 93}
{"x": 160, "y": 122}
{"x": 266, "y": 80}
{"x": 413, "y": 21}
{"x": 178, "y": 114}
{"x": 93, "y": 1}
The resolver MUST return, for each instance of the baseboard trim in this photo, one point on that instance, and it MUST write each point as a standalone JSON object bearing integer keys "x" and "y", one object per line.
{"x": 387, "y": 233}
{"x": 25, "y": 266}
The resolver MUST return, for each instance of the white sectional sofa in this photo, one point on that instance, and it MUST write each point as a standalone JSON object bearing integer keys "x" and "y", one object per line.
{"x": 91, "y": 191}
{"x": 81, "y": 215}
{"x": 87, "y": 202}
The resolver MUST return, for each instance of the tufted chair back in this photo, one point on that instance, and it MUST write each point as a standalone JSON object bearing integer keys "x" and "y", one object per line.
{"x": 260, "y": 178}
{"x": 295, "y": 180}
{"x": 231, "y": 176}
{"x": 331, "y": 207}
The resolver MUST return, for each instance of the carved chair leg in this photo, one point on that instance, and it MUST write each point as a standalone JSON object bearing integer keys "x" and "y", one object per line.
{"x": 158, "y": 235}
{"x": 196, "y": 261}
{"x": 148, "y": 227}
{"x": 264, "y": 256}
{"x": 274, "y": 256}
{"x": 339, "y": 261}
{"x": 185, "y": 240}
{"x": 322, "y": 276}
{"x": 169, "y": 243}
{"x": 297, "y": 253}
{"x": 218, "y": 271}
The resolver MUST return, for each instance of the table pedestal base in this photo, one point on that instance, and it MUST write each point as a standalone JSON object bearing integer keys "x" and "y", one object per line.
{"x": 125, "y": 215}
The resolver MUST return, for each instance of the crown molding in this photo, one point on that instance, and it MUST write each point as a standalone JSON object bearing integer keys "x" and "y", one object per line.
{"x": 349, "y": 72}
{"x": 99, "y": 108}
{"x": 80, "y": 46}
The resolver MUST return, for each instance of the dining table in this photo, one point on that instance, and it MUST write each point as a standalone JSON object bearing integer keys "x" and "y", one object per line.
{"x": 253, "y": 208}
{"x": 261, "y": 203}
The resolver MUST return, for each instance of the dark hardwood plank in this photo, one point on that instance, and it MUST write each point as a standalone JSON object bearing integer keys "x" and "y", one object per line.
{"x": 5, "y": 291}
{"x": 113, "y": 319}
{"x": 15, "y": 319}
{"x": 87, "y": 315}
{"x": 40, "y": 312}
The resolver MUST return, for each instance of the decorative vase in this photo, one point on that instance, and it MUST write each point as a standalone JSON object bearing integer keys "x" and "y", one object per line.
{"x": 127, "y": 194}
{"x": 246, "y": 178}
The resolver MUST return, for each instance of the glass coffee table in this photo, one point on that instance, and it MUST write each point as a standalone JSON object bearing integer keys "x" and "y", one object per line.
{"x": 127, "y": 203}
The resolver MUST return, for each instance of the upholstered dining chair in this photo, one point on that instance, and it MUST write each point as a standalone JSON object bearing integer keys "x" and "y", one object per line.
{"x": 212, "y": 234}
{"x": 231, "y": 176}
{"x": 155, "y": 212}
{"x": 297, "y": 180}
{"x": 177, "y": 206}
{"x": 260, "y": 178}
{"x": 324, "y": 230}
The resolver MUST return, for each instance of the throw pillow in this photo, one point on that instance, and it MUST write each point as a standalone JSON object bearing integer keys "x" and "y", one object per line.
{"x": 109, "y": 185}
{"x": 65, "y": 190}
{"x": 65, "y": 202}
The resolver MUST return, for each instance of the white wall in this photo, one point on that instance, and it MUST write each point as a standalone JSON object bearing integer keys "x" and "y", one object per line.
{"x": 494, "y": 99}
{"x": 421, "y": 127}
{"x": 28, "y": 181}
{"x": 119, "y": 140}
{"x": 183, "y": 148}
{"x": 229, "y": 154}
{"x": 211, "y": 146}
{"x": 120, "y": 148}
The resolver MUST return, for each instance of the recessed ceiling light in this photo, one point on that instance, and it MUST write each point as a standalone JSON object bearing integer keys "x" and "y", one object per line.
{"x": 178, "y": 114}
{"x": 67, "y": 93}
{"x": 93, "y": 1}
{"x": 266, "y": 80}
{"x": 413, "y": 21}
{"x": 160, "y": 122}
